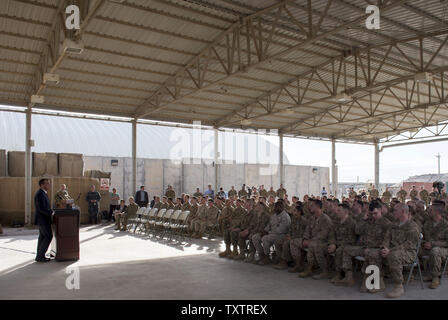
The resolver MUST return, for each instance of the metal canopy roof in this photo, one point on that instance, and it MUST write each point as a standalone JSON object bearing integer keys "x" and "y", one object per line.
{"x": 264, "y": 64}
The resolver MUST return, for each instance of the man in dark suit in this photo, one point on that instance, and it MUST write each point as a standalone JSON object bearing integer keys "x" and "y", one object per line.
{"x": 141, "y": 197}
{"x": 43, "y": 219}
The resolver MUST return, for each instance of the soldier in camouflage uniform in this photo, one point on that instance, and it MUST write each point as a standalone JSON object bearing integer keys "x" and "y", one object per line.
{"x": 178, "y": 205}
{"x": 356, "y": 210}
{"x": 352, "y": 194}
{"x": 371, "y": 230}
{"x": 225, "y": 221}
{"x": 316, "y": 240}
{"x": 424, "y": 195}
{"x": 271, "y": 204}
{"x": 197, "y": 209}
{"x": 272, "y": 193}
{"x": 232, "y": 192}
{"x": 187, "y": 205}
{"x": 342, "y": 234}
{"x": 281, "y": 192}
{"x": 206, "y": 217}
{"x": 235, "y": 226}
{"x": 400, "y": 247}
{"x": 260, "y": 222}
{"x": 413, "y": 194}
{"x": 243, "y": 192}
{"x": 373, "y": 193}
{"x": 387, "y": 196}
{"x": 276, "y": 229}
{"x": 170, "y": 193}
{"x": 290, "y": 246}
{"x": 61, "y": 197}
{"x": 402, "y": 195}
{"x": 247, "y": 225}
{"x": 263, "y": 192}
{"x": 435, "y": 242}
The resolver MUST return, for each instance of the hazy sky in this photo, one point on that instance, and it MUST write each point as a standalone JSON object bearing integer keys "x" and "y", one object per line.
{"x": 353, "y": 160}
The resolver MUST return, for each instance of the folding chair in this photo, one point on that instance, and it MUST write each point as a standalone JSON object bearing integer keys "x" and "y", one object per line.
{"x": 172, "y": 222}
{"x": 144, "y": 220}
{"x": 138, "y": 217}
{"x": 158, "y": 226}
{"x": 416, "y": 263}
{"x": 180, "y": 227}
{"x": 444, "y": 269}
{"x": 157, "y": 217}
{"x": 151, "y": 216}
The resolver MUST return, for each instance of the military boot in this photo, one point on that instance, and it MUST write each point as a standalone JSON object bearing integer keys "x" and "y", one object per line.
{"x": 226, "y": 252}
{"x": 250, "y": 258}
{"x": 396, "y": 292}
{"x": 241, "y": 256}
{"x": 337, "y": 277}
{"x": 347, "y": 281}
{"x": 363, "y": 287}
{"x": 382, "y": 287}
{"x": 434, "y": 283}
{"x": 308, "y": 272}
{"x": 323, "y": 275}
{"x": 266, "y": 260}
{"x": 298, "y": 267}
{"x": 282, "y": 265}
{"x": 234, "y": 253}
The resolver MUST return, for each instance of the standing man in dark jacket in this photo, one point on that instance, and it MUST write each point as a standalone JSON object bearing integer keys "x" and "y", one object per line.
{"x": 43, "y": 219}
{"x": 141, "y": 197}
{"x": 93, "y": 198}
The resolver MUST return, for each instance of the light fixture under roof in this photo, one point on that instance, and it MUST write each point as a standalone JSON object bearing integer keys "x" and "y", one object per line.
{"x": 36, "y": 99}
{"x": 288, "y": 111}
{"x": 246, "y": 122}
{"x": 423, "y": 77}
{"x": 71, "y": 46}
{"x": 51, "y": 78}
{"x": 342, "y": 97}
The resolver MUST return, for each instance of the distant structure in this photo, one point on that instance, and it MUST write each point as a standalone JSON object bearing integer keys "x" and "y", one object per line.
{"x": 425, "y": 180}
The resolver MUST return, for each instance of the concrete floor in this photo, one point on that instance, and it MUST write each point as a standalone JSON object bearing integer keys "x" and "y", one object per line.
{"x": 120, "y": 265}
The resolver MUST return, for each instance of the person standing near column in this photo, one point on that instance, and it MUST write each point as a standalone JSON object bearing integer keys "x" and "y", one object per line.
{"x": 43, "y": 219}
{"x": 141, "y": 197}
{"x": 114, "y": 204}
{"x": 93, "y": 198}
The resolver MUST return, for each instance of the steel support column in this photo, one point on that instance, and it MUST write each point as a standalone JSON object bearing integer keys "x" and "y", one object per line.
{"x": 134, "y": 156}
{"x": 280, "y": 157}
{"x": 334, "y": 173}
{"x": 216, "y": 158}
{"x": 377, "y": 166}
{"x": 28, "y": 168}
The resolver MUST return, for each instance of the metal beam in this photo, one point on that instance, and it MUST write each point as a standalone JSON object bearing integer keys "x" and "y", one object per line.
{"x": 216, "y": 158}
{"x": 170, "y": 90}
{"x": 334, "y": 173}
{"x": 411, "y": 143}
{"x": 377, "y": 166}
{"x": 134, "y": 156}
{"x": 28, "y": 168}
{"x": 280, "y": 157}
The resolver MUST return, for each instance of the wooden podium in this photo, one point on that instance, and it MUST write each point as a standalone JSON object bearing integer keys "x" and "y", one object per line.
{"x": 66, "y": 234}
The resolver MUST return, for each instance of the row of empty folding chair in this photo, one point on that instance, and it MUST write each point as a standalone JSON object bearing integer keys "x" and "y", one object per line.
{"x": 160, "y": 223}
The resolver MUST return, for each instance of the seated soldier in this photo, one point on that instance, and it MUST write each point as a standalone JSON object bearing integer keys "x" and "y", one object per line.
{"x": 400, "y": 247}
{"x": 341, "y": 235}
{"x": 435, "y": 242}
{"x": 201, "y": 221}
{"x": 165, "y": 204}
{"x": 225, "y": 223}
{"x": 178, "y": 205}
{"x": 246, "y": 227}
{"x": 290, "y": 246}
{"x": 130, "y": 212}
{"x": 117, "y": 212}
{"x": 193, "y": 215}
{"x": 277, "y": 228}
{"x": 259, "y": 224}
{"x": 186, "y": 206}
{"x": 316, "y": 240}
{"x": 371, "y": 230}
{"x": 236, "y": 226}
